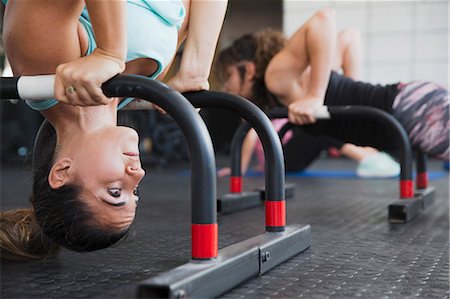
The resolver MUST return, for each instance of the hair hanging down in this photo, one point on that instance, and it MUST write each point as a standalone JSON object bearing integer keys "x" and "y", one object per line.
{"x": 258, "y": 47}
{"x": 62, "y": 218}
{"x": 21, "y": 237}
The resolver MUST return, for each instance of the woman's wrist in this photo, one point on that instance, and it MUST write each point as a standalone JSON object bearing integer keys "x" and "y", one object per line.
{"x": 194, "y": 74}
{"x": 194, "y": 79}
{"x": 117, "y": 57}
{"x": 184, "y": 82}
{"x": 314, "y": 98}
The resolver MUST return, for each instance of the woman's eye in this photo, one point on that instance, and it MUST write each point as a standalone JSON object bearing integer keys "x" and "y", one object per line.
{"x": 136, "y": 192}
{"x": 114, "y": 192}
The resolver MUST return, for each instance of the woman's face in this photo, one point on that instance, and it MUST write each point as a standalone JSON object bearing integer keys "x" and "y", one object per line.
{"x": 235, "y": 84}
{"x": 108, "y": 169}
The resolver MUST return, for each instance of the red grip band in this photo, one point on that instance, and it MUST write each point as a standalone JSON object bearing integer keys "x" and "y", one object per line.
{"x": 204, "y": 241}
{"x": 236, "y": 184}
{"x": 275, "y": 213}
{"x": 422, "y": 180}
{"x": 406, "y": 189}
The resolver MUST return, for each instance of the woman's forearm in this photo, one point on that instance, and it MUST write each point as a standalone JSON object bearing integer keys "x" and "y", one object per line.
{"x": 205, "y": 23}
{"x": 248, "y": 147}
{"x": 320, "y": 44}
{"x": 108, "y": 19}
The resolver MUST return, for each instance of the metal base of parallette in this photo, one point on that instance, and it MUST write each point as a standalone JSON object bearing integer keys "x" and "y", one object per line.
{"x": 234, "y": 265}
{"x": 233, "y": 202}
{"x": 405, "y": 210}
{"x": 289, "y": 191}
{"x": 428, "y": 195}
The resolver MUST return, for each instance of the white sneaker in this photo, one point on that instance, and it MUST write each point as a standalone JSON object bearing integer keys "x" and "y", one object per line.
{"x": 379, "y": 165}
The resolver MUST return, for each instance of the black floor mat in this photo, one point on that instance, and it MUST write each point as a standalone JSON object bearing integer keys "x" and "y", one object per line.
{"x": 355, "y": 252}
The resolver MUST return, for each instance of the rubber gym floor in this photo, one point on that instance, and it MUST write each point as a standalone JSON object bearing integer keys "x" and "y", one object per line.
{"x": 355, "y": 252}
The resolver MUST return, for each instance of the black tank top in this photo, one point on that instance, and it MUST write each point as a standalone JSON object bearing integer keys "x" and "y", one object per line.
{"x": 343, "y": 91}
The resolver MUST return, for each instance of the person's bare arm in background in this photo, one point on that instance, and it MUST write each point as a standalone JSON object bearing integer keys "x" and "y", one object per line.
{"x": 313, "y": 45}
{"x": 248, "y": 148}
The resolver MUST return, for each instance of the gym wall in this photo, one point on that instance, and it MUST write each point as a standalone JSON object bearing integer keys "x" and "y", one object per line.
{"x": 402, "y": 40}
{"x": 246, "y": 16}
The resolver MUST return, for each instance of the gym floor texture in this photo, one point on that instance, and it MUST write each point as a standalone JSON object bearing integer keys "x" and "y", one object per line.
{"x": 355, "y": 252}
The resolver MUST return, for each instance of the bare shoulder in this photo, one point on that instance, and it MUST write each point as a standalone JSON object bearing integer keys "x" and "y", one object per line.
{"x": 283, "y": 77}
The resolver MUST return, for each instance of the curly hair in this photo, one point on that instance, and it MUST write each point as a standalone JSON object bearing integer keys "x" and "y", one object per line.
{"x": 258, "y": 47}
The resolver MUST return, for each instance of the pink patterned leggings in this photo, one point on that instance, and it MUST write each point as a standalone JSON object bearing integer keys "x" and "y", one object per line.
{"x": 423, "y": 110}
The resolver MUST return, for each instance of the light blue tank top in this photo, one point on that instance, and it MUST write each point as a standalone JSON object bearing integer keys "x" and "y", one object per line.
{"x": 152, "y": 29}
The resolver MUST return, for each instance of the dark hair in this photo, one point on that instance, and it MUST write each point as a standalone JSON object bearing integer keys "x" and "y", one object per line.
{"x": 258, "y": 47}
{"x": 63, "y": 218}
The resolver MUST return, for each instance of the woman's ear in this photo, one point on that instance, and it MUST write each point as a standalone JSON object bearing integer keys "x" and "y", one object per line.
{"x": 59, "y": 174}
{"x": 250, "y": 70}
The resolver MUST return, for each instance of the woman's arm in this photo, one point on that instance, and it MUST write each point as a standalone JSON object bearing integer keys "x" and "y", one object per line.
{"x": 87, "y": 74}
{"x": 248, "y": 147}
{"x": 109, "y": 23}
{"x": 309, "y": 51}
{"x": 205, "y": 22}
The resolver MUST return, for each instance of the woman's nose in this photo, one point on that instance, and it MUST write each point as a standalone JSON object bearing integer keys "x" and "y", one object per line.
{"x": 136, "y": 171}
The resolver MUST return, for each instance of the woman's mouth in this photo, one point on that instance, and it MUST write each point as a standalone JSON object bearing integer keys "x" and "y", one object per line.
{"x": 131, "y": 154}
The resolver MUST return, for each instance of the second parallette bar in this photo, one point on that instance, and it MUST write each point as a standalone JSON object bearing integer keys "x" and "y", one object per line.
{"x": 273, "y": 153}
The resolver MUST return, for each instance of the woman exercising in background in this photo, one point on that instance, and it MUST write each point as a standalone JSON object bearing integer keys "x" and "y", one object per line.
{"x": 297, "y": 73}
{"x": 300, "y": 148}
